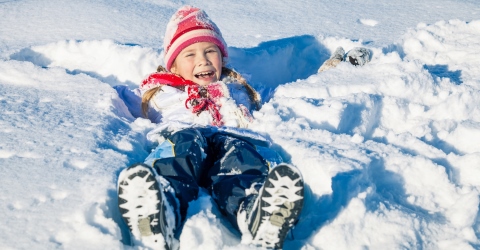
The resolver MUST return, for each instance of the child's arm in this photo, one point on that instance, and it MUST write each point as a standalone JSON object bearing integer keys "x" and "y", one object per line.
{"x": 131, "y": 98}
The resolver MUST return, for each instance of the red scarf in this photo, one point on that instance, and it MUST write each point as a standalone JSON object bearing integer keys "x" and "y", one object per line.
{"x": 200, "y": 98}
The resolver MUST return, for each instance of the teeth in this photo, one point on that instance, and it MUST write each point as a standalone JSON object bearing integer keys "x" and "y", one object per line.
{"x": 204, "y": 74}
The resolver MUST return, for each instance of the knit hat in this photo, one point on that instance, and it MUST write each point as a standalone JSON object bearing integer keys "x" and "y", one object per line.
{"x": 187, "y": 26}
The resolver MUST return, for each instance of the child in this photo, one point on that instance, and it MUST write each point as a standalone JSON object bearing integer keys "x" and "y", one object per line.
{"x": 201, "y": 108}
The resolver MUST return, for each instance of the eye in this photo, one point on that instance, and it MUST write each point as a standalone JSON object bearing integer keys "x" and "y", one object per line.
{"x": 189, "y": 54}
{"x": 211, "y": 51}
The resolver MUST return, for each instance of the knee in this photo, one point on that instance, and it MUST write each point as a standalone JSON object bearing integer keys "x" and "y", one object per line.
{"x": 185, "y": 134}
{"x": 191, "y": 137}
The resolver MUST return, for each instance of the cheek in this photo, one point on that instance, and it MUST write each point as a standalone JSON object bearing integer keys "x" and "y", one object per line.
{"x": 218, "y": 62}
{"x": 219, "y": 66}
{"x": 185, "y": 70}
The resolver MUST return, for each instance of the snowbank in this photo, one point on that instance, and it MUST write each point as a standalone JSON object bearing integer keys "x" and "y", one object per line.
{"x": 388, "y": 151}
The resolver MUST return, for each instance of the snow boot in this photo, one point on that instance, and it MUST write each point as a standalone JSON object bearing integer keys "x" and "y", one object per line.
{"x": 146, "y": 207}
{"x": 334, "y": 60}
{"x": 265, "y": 218}
{"x": 358, "y": 56}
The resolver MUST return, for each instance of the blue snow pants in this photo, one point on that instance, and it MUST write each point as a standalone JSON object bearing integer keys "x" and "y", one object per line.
{"x": 223, "y": 164}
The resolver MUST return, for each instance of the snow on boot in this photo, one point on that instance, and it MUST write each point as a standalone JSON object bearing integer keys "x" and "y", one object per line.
{"x": 145, "y": 208}
{"x": 358, "y": 56}
{"x": 266, "y": 218}
{"x": 334, "y": 60}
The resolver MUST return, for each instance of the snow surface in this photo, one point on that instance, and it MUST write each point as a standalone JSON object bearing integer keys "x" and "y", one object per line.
{"x": 389, "y": 151}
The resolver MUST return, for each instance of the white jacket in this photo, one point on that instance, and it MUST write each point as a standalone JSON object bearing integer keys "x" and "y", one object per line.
{"x": 167, "y": 108}
{"x": 169, "y": 105}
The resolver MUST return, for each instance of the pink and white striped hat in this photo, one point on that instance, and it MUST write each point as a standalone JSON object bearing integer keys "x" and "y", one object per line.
{"x": 187, "y": 26}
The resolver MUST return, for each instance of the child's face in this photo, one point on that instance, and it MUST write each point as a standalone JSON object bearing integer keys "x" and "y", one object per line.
{"x": 200, "y": 62}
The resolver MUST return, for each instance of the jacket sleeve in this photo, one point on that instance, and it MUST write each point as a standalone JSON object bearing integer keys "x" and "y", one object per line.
{"x": 131, "y": 98}
{"x": 133, "y": 101}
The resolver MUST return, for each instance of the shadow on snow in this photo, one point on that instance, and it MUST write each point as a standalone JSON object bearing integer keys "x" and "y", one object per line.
{"x": 277, "y": 62}
{"x": 443, "y": 72}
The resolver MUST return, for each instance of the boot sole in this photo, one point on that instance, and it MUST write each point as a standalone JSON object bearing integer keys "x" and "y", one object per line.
{"x": 281, "y": 201}
{"x": 140, "y": 203}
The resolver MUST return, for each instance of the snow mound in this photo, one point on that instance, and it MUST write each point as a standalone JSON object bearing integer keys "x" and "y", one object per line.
{"x": 106, "y": 60}
{"x": 384, "y": 147}
{"x": 388, "y": 151}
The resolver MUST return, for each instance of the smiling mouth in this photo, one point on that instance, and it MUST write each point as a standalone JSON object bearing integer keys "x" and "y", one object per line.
{"x": 207, "y": 74}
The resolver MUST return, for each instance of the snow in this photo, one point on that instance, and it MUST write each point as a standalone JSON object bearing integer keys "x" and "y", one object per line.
{"x": 389, "y": 151}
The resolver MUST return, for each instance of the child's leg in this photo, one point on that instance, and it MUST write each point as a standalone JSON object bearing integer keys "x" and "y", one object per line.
{"x": 146, "y": 207}
{"x": 184, "y": 168}
{"x": 263, "y": 205}
{"x": 147, "y": 196}
{"x": 266, "y": 220}
{"x": 237, "y": 170}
